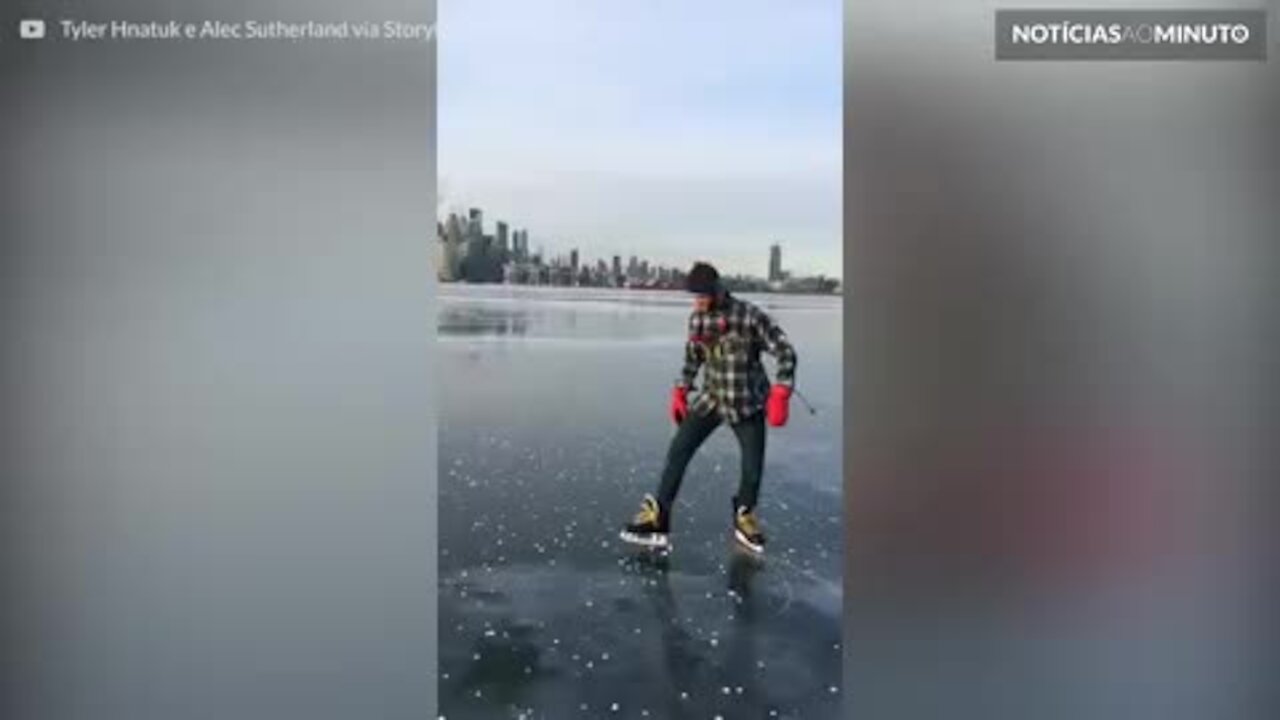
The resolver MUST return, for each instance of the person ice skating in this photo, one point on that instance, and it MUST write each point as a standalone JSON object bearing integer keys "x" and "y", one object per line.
{"x": 726, "y": 337}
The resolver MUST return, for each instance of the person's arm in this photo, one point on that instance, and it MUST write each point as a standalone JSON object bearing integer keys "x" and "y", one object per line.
{"x": 694, "y": 356}
{"x": 777, "y": 345}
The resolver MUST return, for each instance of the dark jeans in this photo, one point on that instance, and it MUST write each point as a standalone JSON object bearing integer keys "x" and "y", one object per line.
{"x": 689, "y": 437}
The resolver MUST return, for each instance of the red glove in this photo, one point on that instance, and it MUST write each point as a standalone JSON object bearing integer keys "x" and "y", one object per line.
{"x": 679, "y": 404}
{"x": 776, "y": 407}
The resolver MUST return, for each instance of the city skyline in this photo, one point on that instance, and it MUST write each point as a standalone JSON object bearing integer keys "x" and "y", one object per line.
{"x": 671, "y": 130}
{"x": 466, "y": 253}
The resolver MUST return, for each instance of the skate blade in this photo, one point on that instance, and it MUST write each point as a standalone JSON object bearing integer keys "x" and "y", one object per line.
{"x": 744, "y": 543}
{"x": 650, "y": 543}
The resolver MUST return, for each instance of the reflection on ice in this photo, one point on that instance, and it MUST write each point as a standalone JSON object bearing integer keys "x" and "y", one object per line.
{"x": 480, "y": 320}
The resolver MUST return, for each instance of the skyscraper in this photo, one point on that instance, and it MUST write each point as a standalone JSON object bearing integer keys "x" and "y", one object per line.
{"x": 775, "y": 263}
{"x": 475, "y": 230}
{"x": 520, "y": 245}
{"x": 451, "y": 260}
{"x": 503, "y": 249}
{"x": 439, "y": 250}
{"x": 573, "y": 261}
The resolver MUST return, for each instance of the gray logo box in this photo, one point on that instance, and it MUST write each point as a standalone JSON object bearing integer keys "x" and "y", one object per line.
{"x": 1131, "y": 35}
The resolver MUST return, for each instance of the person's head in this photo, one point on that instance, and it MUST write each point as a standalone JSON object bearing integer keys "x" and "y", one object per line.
{"x": 704, "y": 283}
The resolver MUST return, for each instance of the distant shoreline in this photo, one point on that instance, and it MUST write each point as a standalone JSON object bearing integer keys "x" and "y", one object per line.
{"x": 655, "y": 288}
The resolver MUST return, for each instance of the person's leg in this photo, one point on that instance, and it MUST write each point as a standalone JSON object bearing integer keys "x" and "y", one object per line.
{"x": 688, "y": 438}
{"x": 750, "y": 434}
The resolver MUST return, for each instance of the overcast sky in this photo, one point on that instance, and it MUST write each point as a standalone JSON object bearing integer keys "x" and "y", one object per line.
{"x": 668, "y": 129}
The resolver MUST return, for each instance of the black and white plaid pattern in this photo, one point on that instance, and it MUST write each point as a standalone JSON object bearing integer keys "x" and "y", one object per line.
{"x": 726, "y": 342}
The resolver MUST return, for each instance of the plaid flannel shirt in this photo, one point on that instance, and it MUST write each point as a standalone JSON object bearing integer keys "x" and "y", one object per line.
{"x": 726, "y": 343}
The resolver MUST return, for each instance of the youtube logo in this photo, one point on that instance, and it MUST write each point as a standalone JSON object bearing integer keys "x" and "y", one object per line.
{"x": 31, "y": 29}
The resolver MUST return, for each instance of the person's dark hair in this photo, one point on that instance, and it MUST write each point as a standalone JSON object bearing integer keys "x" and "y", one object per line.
{"x": 703, "y": 279}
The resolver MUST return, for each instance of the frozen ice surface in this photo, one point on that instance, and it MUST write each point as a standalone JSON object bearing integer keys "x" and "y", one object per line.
{"x": 554, "y": 425}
